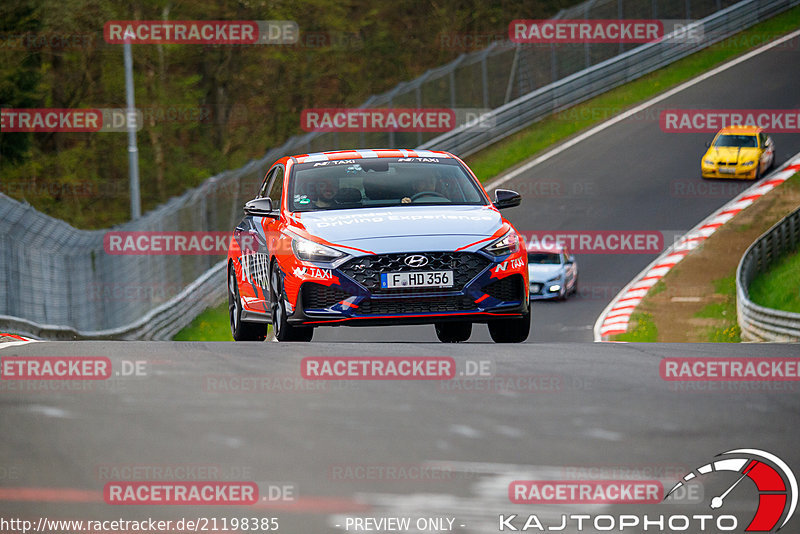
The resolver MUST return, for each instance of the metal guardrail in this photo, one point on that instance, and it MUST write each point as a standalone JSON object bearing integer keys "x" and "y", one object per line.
{"x": 759, "y": 323}
{"x": 50, "y": 272}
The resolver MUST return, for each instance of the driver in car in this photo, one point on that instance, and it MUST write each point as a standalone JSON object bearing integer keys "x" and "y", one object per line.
{"x": 420, "y": 185}
{"x": 326, "y": 189}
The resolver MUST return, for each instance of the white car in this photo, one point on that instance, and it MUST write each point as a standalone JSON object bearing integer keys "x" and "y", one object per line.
{"x": 553, "y": 273}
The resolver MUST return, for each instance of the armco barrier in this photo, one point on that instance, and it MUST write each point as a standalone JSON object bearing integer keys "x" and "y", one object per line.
{"x": 48, "y": 268}
{"x": 759, "y": 323}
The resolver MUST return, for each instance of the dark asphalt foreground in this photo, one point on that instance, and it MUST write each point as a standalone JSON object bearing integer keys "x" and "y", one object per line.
{"x": 590, "y": 405}
{"x": 631, "y": 176}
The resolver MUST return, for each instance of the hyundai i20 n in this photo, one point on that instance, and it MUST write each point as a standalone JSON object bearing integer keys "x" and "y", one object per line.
{"x": 377, "y": 237}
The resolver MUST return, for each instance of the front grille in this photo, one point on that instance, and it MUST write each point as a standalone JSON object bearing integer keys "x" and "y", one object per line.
{"x": 506, "y": 289}
{"x": 417, "y": 305}
{"x": 317, "y": 296}
{"x": 367, "y": 270}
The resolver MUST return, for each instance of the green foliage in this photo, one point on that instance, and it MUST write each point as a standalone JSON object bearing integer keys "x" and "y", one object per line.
{"x": 211, "y": 325}
{"x": 779, "y": 288}
{"x": 644, "y": 329}
{"x": 724, "y": 312}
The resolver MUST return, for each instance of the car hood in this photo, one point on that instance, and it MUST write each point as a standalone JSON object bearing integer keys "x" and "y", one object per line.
{"x": 729, "y": 154}
{"x": 403, "y": 228}
{"x": 543, "y": 273}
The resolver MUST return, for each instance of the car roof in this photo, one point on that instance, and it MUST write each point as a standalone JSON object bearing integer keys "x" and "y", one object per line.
{"x": 741, "y": 129}
{"x": 369, "y": 153}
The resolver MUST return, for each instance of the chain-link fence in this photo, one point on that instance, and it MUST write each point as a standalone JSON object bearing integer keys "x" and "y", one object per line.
{"x": 56, "y": 281}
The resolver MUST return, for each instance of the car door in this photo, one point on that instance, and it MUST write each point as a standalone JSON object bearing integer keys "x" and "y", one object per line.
{"x": 270, "y": 225}
{"x": 252, "y": 238}
{"x": 768, "y": 151}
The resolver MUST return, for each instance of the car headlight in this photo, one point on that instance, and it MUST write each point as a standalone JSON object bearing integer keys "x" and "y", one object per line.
{"x": 508, "y": 244}
{"x": 307, "y": 250}
{"x": 748, "y": 163}
{"x": 708, "y": 162}
{"x": 554, "y": 279}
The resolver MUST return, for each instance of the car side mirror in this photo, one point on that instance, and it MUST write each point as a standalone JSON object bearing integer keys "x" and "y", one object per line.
{"x": 505, "y": 198}
{"x": 571, "y": 260}
{"x": 259, "y": 207}
{"x": 708, "y": 144}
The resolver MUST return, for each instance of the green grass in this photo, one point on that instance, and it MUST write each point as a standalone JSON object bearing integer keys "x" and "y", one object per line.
{"x": 657, "y": 288}
{"x": 519, "y": 147}
{"x": 645, "y": 330}
{"x": 211, "y": 325}
{"x": 725, "y": 311}
{"x": 779, "y": 288}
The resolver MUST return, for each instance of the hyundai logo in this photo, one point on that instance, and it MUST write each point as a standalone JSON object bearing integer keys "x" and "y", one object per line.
{"x": 416, "y": 260}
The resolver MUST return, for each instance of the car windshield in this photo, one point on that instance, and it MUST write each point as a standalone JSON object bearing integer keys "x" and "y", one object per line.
{"x": 381, "y": 182}
{"x": 731, "y": 140}
{"x": 544, "y": 258}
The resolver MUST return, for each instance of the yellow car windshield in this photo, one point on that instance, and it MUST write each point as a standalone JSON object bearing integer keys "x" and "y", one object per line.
{"x": 744, "y": 141}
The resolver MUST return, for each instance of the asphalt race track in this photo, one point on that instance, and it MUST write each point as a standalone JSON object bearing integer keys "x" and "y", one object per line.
{"x": 631, "y": 176}
{"x": 573, "y": 411}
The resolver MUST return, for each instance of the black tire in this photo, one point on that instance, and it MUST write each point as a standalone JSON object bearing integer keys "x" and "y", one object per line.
{"x": 574, "y": 287}
{"x": 455, "y": 332}
{"x": 281, "y": 328}
{"x": 241, "y": 330}
{"x": 758, "y": 172}
{"x": 511, "y": 330}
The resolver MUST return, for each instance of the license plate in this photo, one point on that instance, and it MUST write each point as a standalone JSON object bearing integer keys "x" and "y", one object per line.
{"x": 727, "y": 170}
{"x": 417, "y": 279}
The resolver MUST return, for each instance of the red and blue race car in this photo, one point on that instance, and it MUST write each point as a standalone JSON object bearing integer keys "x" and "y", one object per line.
{"x": 377, "y": 237}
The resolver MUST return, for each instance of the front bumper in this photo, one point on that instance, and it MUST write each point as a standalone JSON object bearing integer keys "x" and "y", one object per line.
{"x": 541, "y": 290}
{"x": 738, "y": 174}
{"x": 480, "y": 294}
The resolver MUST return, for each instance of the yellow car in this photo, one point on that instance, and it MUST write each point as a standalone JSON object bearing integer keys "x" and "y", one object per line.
{"x": 742, "y": 152}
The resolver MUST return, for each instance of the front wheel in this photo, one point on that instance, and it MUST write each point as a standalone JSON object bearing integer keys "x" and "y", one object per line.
{"x": 241, "y": 330}
{"x": 453, "y": 332}
{"x": 511, "y": 330}
{"x": 280, "y": 324}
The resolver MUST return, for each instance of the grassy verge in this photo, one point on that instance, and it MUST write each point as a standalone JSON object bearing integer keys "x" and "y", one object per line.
{"x": 697, "y": 299}
{"x": 723, "y": 312}
{"x": 779, "y": 288}
{"x": 211, "y": 325}
{"x": 643, "y": 331}
{"x": 521, "y": 146}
